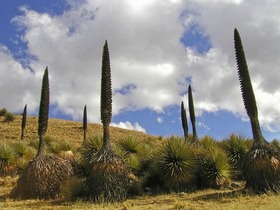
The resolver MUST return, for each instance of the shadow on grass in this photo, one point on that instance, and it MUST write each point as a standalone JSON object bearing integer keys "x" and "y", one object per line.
{"x": 218, "y": 196}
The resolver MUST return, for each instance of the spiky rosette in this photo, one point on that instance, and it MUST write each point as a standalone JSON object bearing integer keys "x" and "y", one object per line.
{"x": 108, "y": 180}
{"x": 215, "y": 169}
{"x": 176, "y": 164}
{"x": 261, "y": 169}
{"x": 42, "y": 178}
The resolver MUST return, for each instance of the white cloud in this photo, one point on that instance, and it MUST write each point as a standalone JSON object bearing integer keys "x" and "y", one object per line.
{"x": 148, "y": 60}
{"x": 129, "y": 126}
{"x": 159, "y": 120}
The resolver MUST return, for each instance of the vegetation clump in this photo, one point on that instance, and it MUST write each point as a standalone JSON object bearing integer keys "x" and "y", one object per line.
{"x": 108, "y": 175}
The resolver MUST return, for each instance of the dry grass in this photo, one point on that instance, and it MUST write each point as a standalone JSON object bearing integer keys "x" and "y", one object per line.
{"x": 60, "y": 130}
{"x": 200, "y": 200}
{"x": 72, "y": 131}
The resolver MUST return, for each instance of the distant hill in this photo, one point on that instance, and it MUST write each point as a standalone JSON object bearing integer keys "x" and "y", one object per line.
{"x": 60, "y": 130}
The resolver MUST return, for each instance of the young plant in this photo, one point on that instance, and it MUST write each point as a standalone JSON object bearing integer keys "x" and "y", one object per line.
{"x": 85, "y": 124}
{"x": 176, "y": 165}
{"x": 192, "y": 113}
{"x": 23, "y": 122}
{"x": 261, "y": 165}
{"x": 184, "y": 120}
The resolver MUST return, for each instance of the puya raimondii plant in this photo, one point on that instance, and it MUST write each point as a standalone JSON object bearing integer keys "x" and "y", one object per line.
{"x": 23, "y": 122}
{"x": 261, "y": 165}
{"x": 44, "y": 175}
{"x": 192, "y": 113}
{"x": 108, "y": 180}
{"x": 184, "y": 120}
{"x": 85, "y": 124}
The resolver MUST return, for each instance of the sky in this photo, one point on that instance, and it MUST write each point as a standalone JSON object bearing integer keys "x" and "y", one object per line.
{"x": 157, "y": 49}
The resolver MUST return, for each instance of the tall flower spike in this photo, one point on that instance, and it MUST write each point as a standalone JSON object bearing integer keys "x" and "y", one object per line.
{"x": 106, "y": 90}
{"x": 44, "y": 105}
{"x": 246, "y": 88}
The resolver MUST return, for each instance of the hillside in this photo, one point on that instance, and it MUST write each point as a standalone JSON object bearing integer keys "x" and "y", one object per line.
{"x": 60, "y": 130}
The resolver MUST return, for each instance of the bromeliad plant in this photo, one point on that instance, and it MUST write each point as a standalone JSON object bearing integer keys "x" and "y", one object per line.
{"x": 44, "y": 175}
{"x": 23, "y": 122}
{"x": 184, "y": 120}
{"x": 85, "y": 124}
{"x": 107, "y": 180}
{"x": 262, "y": 163}
{"x": 192, "y": 113}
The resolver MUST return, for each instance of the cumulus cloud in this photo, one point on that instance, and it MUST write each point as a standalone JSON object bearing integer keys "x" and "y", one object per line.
{"x": 151, "y": 66}
{"x": 129, "y": 126}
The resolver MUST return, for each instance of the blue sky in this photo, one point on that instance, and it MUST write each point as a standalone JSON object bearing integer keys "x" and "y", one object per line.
{"x": 157, "y": 48}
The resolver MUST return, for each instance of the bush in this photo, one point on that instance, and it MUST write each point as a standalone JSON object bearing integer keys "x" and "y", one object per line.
{"x": 3, "y": 111}
{"x": 9, "y": 117}
{"x": 215, "y": 170}
{"x": 7, "y": 160}
{"x": 175, "y": 165}
{"x": 236, "y": 147}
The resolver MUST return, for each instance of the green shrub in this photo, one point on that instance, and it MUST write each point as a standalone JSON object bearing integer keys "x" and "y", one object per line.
{"x": 175, "y": 165}
{"x": 215, "y": 170}
{"x": 236, "y": 147}
{"x": 3, "y": 111}
{"x": 7, "y": 160}
{"x": 9, "y": 117}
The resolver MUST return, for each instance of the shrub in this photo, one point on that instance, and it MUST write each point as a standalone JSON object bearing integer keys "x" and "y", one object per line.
{"x": 236, "y": 147}
{"x": 7, "y": 160}
{"x": 215, "y": 170}
{"x": 9, "y": 117}
{"x": 3, "y": 111}
{"x": 176, "y": 165}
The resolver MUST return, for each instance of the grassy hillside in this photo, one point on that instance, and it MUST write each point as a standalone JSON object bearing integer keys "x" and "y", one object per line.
{"x": 60, "y": 130}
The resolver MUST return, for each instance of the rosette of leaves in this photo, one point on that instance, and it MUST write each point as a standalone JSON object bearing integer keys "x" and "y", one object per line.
{"x": 236, "y": 147}
{"x": 215, "y": 170}
{"x": 176, "y": 165}
{"x": 261, "y": 165}
{"x": 7, "y": 160}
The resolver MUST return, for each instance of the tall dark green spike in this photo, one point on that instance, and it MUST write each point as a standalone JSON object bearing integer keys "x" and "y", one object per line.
{"x": 184, "y": 120}
{"x": 43, "y": 111}
{"x": 247, "y": 89}
{"x": 192, "y": 112}
{"x": 106, "y": 94}
{"x": 85, "y": 123}
{"x": 23, "y": 122}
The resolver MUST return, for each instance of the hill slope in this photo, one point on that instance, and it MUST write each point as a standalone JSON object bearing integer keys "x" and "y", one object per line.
{"x": 60, "y": 130}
